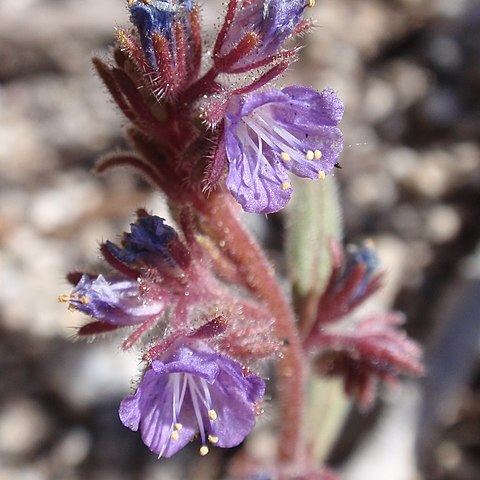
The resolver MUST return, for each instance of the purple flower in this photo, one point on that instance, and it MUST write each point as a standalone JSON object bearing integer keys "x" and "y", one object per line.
{"x": 118, "y": 302}
{"x": 191, "y": 390}
{"x": 271, "y": 132}
{"x": 149, "y": 238}
{"x": 156, "y": 16}
{"x": 273, "y": 20}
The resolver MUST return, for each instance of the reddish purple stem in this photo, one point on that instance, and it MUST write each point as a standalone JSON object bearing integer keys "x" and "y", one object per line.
{"x": 221, "y": 220}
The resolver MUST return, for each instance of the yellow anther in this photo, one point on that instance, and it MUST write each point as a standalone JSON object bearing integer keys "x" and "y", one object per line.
{"x": 174, "y": 435}
{"x": 203, "y": 450}
{"x": 74, "y": 296}
{"x": 84, "y": 300}
{"x": 63, "y": 298}
{"x": 317, "y": 154}
{"x": 322, "y": 175}
{"x": 213, "y": 439}
{"x": 178, "y": 426}
{"x": 212, "y": 415}
{"x": 309, "y": 155}
{"x": 310, "y": 3}
{"x": 285, "y": 157}
{"x": 286, "y": 185}
{"x": 121, "y": 35}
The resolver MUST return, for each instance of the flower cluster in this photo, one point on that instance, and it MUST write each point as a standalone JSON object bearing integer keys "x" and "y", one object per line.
{"x": 201, "y": 302}
{"x": 136, "y": 294}
{"x": 360, "y": 350}
{"x": 259, "y": 134}
{"x": 189, "y": 386}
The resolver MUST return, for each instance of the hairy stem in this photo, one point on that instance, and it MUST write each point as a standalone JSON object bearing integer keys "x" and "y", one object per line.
{"x": 203, "y": 86}
{"x": 220, "y": 219}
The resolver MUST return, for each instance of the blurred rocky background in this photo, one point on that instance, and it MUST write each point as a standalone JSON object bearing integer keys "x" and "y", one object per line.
{"x": 409, "y": 74}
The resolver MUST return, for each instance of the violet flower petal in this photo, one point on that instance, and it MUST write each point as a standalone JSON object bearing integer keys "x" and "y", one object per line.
{"x": 258, "y": 185}
{"x": 234, "y": 397}
{"x": 151, "y": 410}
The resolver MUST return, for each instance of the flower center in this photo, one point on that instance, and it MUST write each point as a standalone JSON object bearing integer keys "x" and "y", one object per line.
{"x": 264, "y": 127}
{"x": 202, "y": 404}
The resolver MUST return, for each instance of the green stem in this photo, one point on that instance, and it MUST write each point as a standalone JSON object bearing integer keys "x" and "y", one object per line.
{"x": 220, "y": 219}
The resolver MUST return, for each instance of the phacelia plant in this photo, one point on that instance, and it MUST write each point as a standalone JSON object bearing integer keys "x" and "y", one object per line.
{"x": 201, "y": 301}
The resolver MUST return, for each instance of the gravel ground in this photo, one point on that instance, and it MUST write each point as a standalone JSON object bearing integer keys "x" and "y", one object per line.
{"x": 409, "y": 74}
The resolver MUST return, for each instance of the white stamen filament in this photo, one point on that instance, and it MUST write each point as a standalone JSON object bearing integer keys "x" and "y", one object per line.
{"x": 182, "y": 396}
{"x": 206, "y": 392}
{"x": 267, "y": 123}
{"x": 290, "y": 147}
{"x": 196, "y": 408}
{"x": 286, "y": 135}
{"x": 259, "y": 156}
{"x": 259, "y": 150}
{"x": 207, "y": 401}
{"x": 201, "y": 401}
{"x": 177, "y": 402}
{"x": 260, "y": 132}
{"x": 176, "y": 396}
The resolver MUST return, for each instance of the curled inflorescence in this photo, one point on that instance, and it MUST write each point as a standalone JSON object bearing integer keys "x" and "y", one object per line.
{"x": 200, "y": 301}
